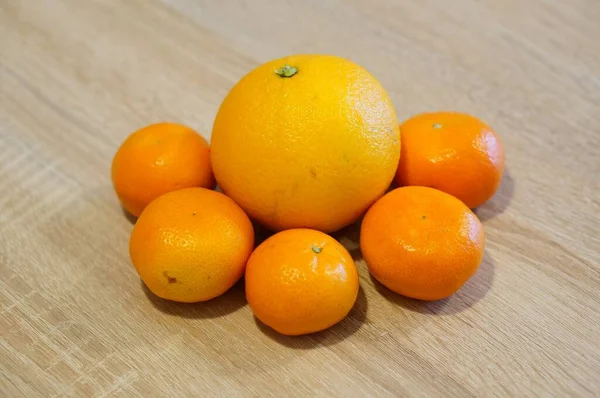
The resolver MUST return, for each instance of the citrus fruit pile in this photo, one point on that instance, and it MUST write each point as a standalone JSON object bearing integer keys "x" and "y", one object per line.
{"x": 304, "y": 146}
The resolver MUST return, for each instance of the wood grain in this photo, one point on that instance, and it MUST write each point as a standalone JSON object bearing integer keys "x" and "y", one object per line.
{"x": 76, "y": 77}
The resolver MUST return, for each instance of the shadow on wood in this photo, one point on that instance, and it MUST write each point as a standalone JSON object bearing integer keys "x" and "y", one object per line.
{"x": 232, "y": 300}
{"x": 130, "y": 217}
{"x": 474, "y": 290}
{"x": 500, "y": 201}
{"x": 349, "y": 237}
{"x": 335, "y": 334}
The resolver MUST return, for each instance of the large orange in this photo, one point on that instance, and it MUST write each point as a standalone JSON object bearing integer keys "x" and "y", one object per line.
{"x": 453, "y": 152}
{"x": 301, "y": 281}
{"x": 157, "y": 159}
{"x": 421, "y": 242}
{"x": 191, "y": 245}
{"x": 306, "y": 141}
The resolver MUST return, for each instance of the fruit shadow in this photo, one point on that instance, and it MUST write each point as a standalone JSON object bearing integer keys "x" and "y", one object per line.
{"x": 261, "y": 233}
{"x": 335, "y": 334}
{"x": 130, "y": 217}
{"x": 501, "y": 199}
{"x": 230, "y": 301}
{"x": 473, "y": 290}
{"x": 349, "y": 237}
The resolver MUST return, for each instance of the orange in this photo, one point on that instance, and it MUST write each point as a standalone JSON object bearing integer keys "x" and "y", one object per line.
{"x": 452, "y": 152}
{"x": 191, "y": 245}
{"x": 306, "y": 141}
{"x": 301, "y": 281}
{"x": 157, "y": 159}
{"x": 421, "y": 242}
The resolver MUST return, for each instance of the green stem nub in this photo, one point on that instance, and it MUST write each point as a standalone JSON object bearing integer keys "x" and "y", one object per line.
{"x": 286, "y": 71}
{"x": 317, "y": 249}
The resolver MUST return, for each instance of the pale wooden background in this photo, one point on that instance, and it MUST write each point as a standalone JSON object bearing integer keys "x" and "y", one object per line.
{"x": 77, "y": 76}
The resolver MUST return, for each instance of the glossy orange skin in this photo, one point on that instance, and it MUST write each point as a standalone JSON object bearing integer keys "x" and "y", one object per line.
{"x": 191, "y": 245}
{"x": 313, "y": 150}
{"x": 157, "y": 159}
{"x": 421, "y": 242}
{"x": 453, "y": 152}
{"x": 301, "y": 281}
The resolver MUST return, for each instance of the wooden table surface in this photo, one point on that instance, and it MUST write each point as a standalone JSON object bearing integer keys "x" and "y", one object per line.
{"x": 76, "y": 77}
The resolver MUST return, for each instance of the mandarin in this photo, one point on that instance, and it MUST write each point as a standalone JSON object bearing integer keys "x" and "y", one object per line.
{"x": 191, "y": 245}
{"x": 453, "y": 152}
{"x": 301, "y": 281}
{"x": 157, "y": 159}
{"x": 421, "y": 242}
